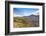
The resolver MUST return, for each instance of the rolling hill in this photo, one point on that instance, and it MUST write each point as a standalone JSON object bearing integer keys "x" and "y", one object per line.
{"x": 26, "y": 21}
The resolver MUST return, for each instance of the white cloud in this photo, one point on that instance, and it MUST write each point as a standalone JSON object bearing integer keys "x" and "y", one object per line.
{"x": 36, "y": 13}
{"x": 17, "y": 15}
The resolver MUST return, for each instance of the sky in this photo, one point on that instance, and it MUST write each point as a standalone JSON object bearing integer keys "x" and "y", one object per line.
{"x": 19, "y": 12}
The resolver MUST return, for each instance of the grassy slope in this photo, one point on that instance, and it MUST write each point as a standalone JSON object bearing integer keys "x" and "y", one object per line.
{"x": 21, "y": 22}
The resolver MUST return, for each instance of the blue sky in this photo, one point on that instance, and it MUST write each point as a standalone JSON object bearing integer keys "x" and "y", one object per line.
{"x": 24, "y": 11}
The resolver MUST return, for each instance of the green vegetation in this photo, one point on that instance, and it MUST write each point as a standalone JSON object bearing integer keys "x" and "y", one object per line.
{"x": 20, "y": 22}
